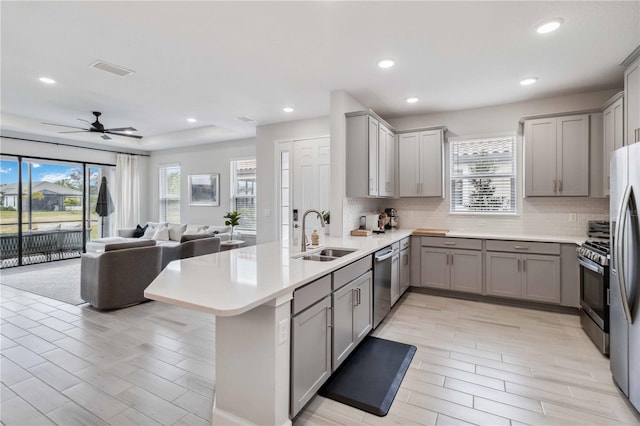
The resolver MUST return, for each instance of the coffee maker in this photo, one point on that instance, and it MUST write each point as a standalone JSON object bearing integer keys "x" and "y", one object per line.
{"x": 392, "y": 222}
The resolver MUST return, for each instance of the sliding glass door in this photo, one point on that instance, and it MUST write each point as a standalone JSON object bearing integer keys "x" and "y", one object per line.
{"x": 49, "y": 209}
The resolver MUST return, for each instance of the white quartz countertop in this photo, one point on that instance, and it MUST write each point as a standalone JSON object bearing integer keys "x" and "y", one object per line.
{"x": 519, "y": 237}
{"x": 233, "y": 282}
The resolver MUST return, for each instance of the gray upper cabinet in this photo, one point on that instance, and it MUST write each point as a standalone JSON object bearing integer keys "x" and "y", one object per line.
{"x": 557, "y": 156}
{"x": 370, "y": 156}
{"x": 613, "y": 134}
{"x": 632, "y": 102}
{"x": 420, "y": 163}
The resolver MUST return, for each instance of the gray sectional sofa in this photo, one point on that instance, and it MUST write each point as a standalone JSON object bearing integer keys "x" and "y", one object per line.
{"x": 115, "y": 271}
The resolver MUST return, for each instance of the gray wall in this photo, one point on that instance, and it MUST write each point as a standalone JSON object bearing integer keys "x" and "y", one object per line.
{"x": 266, "y": 138}
{"x": 200, "y": 159}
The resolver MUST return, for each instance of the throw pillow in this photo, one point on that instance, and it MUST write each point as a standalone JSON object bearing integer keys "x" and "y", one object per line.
{"x": 176, "y": 230}
{"x": 139, "y": 232}
{"x": 161, "y": 234}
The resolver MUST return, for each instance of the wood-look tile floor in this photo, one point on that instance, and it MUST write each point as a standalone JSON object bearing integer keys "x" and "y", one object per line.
{"x": 153, "y": 364}
{"x": 485, "y": 364}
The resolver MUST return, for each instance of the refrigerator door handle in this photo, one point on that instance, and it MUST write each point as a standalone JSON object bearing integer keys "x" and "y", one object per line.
{"x": 622, "y": 283}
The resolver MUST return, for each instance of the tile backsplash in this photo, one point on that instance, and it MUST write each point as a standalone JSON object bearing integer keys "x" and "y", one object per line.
{"x": 537, "y": 216}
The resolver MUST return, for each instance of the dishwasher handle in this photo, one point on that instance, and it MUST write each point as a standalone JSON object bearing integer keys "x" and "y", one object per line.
{"x": 384, "y": 256}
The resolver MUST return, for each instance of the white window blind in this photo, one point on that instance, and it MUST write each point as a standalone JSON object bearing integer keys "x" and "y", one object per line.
{"x": 483, "y": 175}
{"x": 169, "y": 193}
{"x": 243, "y": 192}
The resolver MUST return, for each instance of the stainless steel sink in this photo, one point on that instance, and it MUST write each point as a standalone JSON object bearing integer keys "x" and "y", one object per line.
{"x": 326, "y": 255}
{"x": 335, "y": 252}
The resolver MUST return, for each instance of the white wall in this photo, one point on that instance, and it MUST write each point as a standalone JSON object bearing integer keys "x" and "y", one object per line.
{"x": 267, "y": 172}
{"x": 200, "y": 159}
{"x": 72, "y": 153}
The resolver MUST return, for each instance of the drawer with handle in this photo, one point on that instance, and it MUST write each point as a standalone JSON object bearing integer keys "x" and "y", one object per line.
{"x": 460, "y": 243}
{"x": 523, "y": 247}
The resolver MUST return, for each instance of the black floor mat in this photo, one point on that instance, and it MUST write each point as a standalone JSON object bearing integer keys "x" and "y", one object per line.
{"x": 369, "y": 379}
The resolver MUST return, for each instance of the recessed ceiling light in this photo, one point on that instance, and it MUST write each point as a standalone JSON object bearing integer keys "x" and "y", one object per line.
{"x": 47, "y": 80}
{"x": 549, "y": 26}
{"x": 412, "y": 100}
{"x": 287, "y": 109}
{"x": 528, "y": 81}
{"x": 386, "y": 63}
{"x": 129, "y": 132}
{"x": 191, "y": 120}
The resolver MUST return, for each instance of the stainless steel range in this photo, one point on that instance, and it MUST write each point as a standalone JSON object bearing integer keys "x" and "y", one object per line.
{"x": 593, "y": 258}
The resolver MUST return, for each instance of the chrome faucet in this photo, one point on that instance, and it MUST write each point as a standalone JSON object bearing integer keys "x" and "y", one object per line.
{"x": 304, "y": 235}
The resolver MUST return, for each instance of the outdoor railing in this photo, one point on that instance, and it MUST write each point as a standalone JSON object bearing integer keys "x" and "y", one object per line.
{"x": 55, "y": 244}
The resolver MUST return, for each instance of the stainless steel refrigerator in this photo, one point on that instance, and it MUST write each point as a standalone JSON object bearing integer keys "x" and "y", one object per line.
{"x": 625, "y": 271}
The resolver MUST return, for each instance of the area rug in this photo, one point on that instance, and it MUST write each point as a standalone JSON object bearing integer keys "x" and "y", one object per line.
{"x": 57, "y": 280}
{"x": 369, "y": 379}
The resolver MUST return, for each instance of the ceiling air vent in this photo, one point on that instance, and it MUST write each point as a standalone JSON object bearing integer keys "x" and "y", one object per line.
{"x": 113, "y": 69}
{"x": 246, "y": 119}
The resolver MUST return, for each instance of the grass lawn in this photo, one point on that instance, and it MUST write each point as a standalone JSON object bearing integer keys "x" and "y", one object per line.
{"x": 9, "y": 219}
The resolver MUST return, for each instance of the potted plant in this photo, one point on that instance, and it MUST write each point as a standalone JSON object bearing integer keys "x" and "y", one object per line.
{"x": 326, "y": 216}
{"x": 233, "y": 220}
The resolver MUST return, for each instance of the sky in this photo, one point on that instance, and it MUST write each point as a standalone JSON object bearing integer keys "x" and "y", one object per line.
{"x": 40, "y": 171}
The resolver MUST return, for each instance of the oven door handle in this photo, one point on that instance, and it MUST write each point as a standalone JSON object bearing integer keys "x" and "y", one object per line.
{"x": 590, "y": 265}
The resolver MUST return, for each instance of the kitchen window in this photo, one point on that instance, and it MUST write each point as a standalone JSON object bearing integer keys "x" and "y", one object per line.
{"x": 169, "y": 193}
{"x": 243, "y": 192}
{"x": 483, "y": 175}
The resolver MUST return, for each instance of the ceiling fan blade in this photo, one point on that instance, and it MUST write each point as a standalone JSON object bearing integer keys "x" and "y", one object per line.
{"x": 105, "y": 137}
{"x": 64, "y": 125}
{"x": 121, "y": 129}
{"x": 75, "y": 131}
{"x": 86, "y": 121}
{"x": 123, "y": 134}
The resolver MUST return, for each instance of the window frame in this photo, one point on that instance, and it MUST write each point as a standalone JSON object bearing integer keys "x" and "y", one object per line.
{"x": 233, "y": 196}
{"x": 162, "y": 199}
{"x": 514, "y": 175}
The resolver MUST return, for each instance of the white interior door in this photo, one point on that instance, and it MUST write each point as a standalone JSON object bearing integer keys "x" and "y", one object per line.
{"x": 310, "y": 180}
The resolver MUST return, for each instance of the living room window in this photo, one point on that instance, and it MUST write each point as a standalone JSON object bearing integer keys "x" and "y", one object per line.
{"x": 170, "y": 193}
{"x": 483, "y": 175}
{"x": 243, "y": 191}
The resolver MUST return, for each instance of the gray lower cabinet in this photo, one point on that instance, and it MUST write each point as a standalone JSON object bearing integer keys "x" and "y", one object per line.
{"x": 452, "y": 269}
{"x": 352, "y": 316}
{"x": 533, "y": 277}
{"x": 310, "y": 352}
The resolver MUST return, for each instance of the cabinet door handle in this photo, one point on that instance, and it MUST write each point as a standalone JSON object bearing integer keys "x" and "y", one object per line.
{"x": 452, "y": 260}
{"x": 555, "y": 185}
{"x": 518, "y": 265}
{"x": 449, "y": 243}
{"x": 329, "y": 325}
{"x": 636, "y": 132}
{"x": 359, "y": 296}
{"x": 524, "y": 265}
{"x": 521, "y": 247}
{"x": 405, "y": 259}
{"x": 447, "y": 259}
{"x": 417, "y": 188}
{"x": 421, "y": 187}
{"x": 560, "y": 185}
{"x": 354, "y": 297}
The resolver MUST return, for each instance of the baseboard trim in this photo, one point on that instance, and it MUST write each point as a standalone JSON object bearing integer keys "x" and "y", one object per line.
{"x": 496, "y": 300}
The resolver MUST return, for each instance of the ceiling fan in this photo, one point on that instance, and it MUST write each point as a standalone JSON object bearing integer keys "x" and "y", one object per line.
{"x": 98, "y": 127}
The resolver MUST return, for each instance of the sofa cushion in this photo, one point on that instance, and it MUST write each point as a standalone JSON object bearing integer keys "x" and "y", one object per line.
{"x": 139, "y": 232}
{"x": 151, "y": 229}
{"x": 195, "y": 229}
{"x": 161, "y": 234}
{"x": 191, "y": 237}
{"x": 128, "y": 245}
{"x": 176, "y": 230}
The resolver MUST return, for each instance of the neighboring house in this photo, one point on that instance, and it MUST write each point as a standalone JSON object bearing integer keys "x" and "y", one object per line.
{"x": 46, "y": 196}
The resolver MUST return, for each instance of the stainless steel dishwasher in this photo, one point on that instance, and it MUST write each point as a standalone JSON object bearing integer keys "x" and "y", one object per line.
{"x": 382, "y": 284}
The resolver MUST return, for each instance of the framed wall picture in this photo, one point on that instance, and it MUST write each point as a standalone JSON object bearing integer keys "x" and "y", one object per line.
{"x": 204, "y": 190}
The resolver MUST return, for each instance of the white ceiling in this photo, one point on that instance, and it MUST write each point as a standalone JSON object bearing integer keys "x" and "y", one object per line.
{"x": 219, "y": 60}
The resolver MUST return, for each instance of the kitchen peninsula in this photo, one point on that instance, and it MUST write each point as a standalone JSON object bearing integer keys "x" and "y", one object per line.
{"x": 250, "y": 291}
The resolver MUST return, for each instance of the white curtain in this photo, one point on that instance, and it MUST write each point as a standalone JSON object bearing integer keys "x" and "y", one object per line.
{"x": 127, "y": 191}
